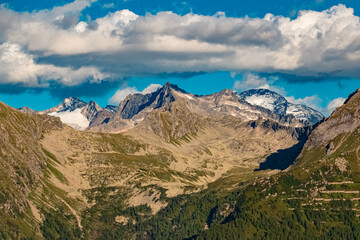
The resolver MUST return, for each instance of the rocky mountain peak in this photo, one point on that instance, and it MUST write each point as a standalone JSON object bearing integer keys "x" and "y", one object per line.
{"x": 169, "y": 86}
{"x": 93, "y": 104}
{"x": 90, "y": 110}
{"x": 225, "y": 95}
{"x": 70, "y": 104}
{"x": 135, "y": 103}
{"x": 26, "y": 110}
{"x": 71, "y": 100}
{"x": 227, "y": 92}
{"x": 165, "y": 95}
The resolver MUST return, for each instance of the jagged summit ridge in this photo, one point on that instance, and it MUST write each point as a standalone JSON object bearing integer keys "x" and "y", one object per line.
{"x": 135, "y": 103}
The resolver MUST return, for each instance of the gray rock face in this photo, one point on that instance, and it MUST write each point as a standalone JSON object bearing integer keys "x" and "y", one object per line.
{"x": 133, "y": 104}
{"x": 102, "y": 117}
{"x": 90, "y": 110}
{"x": 344, "y": 119}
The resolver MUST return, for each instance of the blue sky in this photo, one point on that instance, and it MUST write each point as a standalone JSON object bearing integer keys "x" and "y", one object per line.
{"x": 255, "y": 8}
{"x": 93, "y": 49}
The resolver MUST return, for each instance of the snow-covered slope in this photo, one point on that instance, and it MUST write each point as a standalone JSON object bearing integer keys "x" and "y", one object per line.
{"x": 74, "y": 119}
{"x": 280, "y": 106}
{"x": 266, "y": 99}
{"x": 304, "y": 113}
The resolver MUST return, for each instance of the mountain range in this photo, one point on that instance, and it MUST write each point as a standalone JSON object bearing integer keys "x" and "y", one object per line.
{"x": 249, "y": 105}
{"x": 174, "y": 165}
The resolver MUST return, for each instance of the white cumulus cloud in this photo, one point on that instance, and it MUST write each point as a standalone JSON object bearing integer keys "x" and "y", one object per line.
{"x": 18, "y": 67}
{"x": 333, "y": 105}
{"x": 254, "y": 81}
{"x": 310, "y": 101}
{"x": 316, "y": 44}
{"x": 121, "y": 94}
{"x": 151, "y": 88}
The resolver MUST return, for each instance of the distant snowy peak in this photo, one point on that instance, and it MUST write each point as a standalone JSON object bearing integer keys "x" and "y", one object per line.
{"x": 280, "y": 106}
{"x": 266, "y": 99}
{"x": 71, "y": 103}
{"x": 75, "y": 112}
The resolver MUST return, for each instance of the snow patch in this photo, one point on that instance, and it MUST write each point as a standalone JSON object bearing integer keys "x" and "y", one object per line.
{"x": 263, "y": 101}
{"x": 189, "y": 97}
{"x": 184, "y": 95}
{"x": 304, "y": 113}
{"x": 74, "y": 119}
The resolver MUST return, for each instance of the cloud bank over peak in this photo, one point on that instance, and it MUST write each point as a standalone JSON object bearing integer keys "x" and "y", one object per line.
{"x": 251, "y": 81}
{"x": 54, "y": 45}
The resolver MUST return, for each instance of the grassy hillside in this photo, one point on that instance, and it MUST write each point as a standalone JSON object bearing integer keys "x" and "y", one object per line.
{"x": 23, "y": 164}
